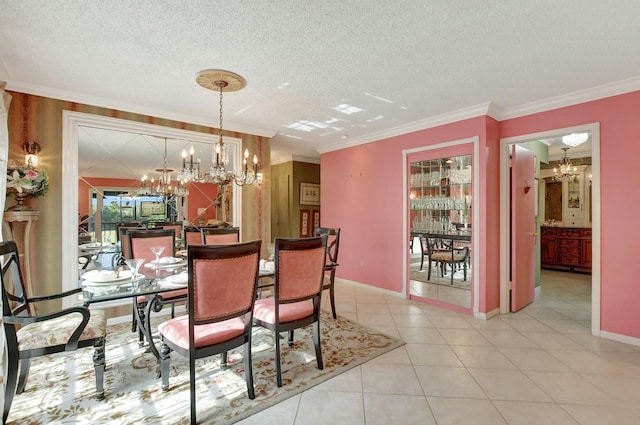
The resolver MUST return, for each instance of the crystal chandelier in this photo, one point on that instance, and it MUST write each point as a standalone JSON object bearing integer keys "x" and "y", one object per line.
{"x": 164, "y": 187}
{"x": 223, "y": 81}
{"x": 190, "y": 170}
{"x": 565, "y": 170}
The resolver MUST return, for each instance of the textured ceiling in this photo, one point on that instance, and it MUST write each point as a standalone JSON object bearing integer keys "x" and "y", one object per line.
{"x": 397, "y": 62}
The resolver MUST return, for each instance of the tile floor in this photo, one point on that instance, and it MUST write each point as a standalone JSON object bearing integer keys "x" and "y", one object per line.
{"x": 537, "y": 366}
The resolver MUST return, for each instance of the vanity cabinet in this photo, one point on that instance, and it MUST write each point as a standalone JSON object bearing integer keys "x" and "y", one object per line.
{"x": 566, "y": 248}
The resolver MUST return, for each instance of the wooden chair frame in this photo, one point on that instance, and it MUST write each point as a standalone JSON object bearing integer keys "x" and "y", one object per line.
{"x": 333, "y": 243}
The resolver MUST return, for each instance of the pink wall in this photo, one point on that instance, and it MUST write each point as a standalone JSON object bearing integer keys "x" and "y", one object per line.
{"x": 361, "y": 192}
{"x": 620, "y": 202}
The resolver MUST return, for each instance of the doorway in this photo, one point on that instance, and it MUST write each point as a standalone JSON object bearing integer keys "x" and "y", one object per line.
{"x": 594, "y": 207}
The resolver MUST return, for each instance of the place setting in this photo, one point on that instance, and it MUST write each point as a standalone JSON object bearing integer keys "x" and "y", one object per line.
{"x": 164, "y": 262}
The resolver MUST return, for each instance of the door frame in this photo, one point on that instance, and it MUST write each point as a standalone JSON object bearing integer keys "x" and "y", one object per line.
{"x": 505, "y": 233}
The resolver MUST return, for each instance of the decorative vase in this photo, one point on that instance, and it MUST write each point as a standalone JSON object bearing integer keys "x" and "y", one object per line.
{"x": 22, "y": 202}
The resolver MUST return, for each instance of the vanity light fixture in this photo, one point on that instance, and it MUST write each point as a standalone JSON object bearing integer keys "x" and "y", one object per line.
{"x": 575, "y": 139}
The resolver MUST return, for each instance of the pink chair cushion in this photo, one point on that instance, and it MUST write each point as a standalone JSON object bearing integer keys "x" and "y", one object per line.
{"x": 177, "y": 331}
{"x": 447, "y": 257}
{"x": 265, "y": 310}
{"x": 193, "y": 238}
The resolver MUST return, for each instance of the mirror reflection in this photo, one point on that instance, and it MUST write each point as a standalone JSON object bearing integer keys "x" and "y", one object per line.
{"x": 134, "y": 179}
{"x": 440, "y": 242}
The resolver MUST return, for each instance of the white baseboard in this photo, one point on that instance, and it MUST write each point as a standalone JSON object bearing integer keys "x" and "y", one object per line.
{"x": 488, "y": 315}
{"x": 620, "y": 338}
{"x": 370, "y": 288}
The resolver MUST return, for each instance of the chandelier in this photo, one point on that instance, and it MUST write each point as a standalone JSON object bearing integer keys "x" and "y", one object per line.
{"x": 565, "y": 170}
{"x": 222, "y": 81}
{"x": 164, "y": 187}
{"x": 575, "y": 139}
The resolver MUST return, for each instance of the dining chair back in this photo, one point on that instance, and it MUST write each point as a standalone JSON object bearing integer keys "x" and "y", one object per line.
{"x": 193, "y": 236}
{"x": 333, "y": 243}
{"x": 299, "y": 273}
{"x": 446, "y": 253}
{"x": 176, "y": 226}
{"x": 29, "y": 335}
{"x": 141, "y": 241}
{"x": 221, "y": 235}
{"x": 223, "y": 282}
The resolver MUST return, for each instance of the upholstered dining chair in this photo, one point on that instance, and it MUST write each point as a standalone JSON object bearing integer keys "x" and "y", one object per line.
{"x": 176, "y": 226}
{"x": 140, "y": 243}
{"x": 220, "y": 235}
{"x": 29, "y": 335}
{"x": 192, "y": 236}
{"x": 333, "y": 243}
{"x": 444, "y": 253}
{"x": 300, "y": 268}
{"x": 222, "y": 288}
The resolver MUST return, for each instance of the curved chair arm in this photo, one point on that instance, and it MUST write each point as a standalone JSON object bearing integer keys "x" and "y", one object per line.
{"x": 72, "y": 344}
{"x": 55, "y": 296}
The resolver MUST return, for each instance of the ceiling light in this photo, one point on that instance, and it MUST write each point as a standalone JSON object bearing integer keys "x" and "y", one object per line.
{"x": 164, "y": 187}
{"x": 575, "y": 139}
{"x": 225, "y": 81}
{"x": 565, "y": 170}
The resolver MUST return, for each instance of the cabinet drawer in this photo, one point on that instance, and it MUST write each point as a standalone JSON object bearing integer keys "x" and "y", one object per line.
{"x": 573, "y": 250}
{"x": 569, "y": 259}
{"x": 568, "y": 242}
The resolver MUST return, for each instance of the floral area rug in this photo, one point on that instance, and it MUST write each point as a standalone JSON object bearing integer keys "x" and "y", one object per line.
{"x": 61, "y": 388}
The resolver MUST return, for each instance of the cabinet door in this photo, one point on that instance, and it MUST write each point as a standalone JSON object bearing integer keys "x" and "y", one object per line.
{"x": 549, "y": 248}
{"x": 586, "y": 253}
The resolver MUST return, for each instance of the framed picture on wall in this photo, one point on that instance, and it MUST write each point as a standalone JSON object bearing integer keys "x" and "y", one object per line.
{"x": 150, "y": 208}
{"x": 315, "y": 215}
{"x": 127, "y": 212}
{"x": 305, "y": 220}
{"x": 309, "y": 194}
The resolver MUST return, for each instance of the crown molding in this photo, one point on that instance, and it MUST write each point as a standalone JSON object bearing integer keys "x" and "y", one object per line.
{"x": 291, "y": 158}
{"x": 488, "y": 108}
{"x": 18, "y": 86}
{"x": 574, "y": 98}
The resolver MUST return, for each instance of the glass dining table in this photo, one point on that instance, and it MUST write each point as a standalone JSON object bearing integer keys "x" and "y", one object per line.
{"x": 154, "y": 283}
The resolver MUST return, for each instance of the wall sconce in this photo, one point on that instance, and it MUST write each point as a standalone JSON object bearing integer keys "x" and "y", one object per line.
{"x": 31, "y": 150}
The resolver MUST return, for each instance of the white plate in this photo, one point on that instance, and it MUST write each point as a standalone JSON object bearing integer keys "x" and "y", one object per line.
{"x": 98, "y": 277}
{"x": 94, "y": 245}
{"x": 177, "y": 279}
{"x": 153, "y": 265}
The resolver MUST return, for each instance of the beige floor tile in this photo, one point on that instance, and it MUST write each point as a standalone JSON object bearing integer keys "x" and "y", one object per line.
{"x": 482, "y": 357}
{"x": 463, "y": 337}
{"x": 412, "y": 321}
{"x": 587, "y": 362}
{"x": 350, "y": 381}
{"x": 459, "y": 411}
{"x": 449, "y": 322}
{"x": 507, "y": 339}
{"x": 528, "y": 413}
{"x": 421, "y": 335}
{"x": 369, "y": 319}
{"x": 283, "y": 413}
{"x": 385, "y": 409}
{"x": 403, "y": 308}
{"x": 372, "y": 308}
{"x": 448, "y": 382}
{"x": 382, "y": 378}
{"x": 526, "y": 324}
{"x": 432, "y": 355}
{"x": 502, "y": 384}
{"x": 600, "y": 415}
{"x": 570, "y": 388}
{"x": 397, "y": 356}
{"x": 552, "y": 341}
{"x": 323, "y": 407}
{"x": 534, "y": 359}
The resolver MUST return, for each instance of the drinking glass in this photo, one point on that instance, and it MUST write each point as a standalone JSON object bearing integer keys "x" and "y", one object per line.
{"x": 157, "y": 251}
{"x": 271, "y": 248}
{"x": 134, "y": 265}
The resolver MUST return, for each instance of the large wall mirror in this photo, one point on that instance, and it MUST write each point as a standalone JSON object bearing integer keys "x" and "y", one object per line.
{"x": 104, "y": 161}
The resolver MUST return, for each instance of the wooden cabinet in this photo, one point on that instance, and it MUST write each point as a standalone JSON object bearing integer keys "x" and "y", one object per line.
{"x": 566, "y": 248}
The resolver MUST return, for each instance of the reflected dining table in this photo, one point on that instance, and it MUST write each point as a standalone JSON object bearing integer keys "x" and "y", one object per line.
{"x": 152, "y": 283}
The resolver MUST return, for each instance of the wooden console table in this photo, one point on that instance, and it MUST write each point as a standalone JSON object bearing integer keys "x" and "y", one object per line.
{"x": 17, "y": 226}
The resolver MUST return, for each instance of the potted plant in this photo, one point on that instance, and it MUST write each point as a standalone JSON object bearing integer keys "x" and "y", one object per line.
{"x": 25, "y": 182}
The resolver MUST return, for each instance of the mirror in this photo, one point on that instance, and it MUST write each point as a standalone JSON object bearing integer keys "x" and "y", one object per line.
{"x": 97, "y": 148}
{"x": 441, "y": 228}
